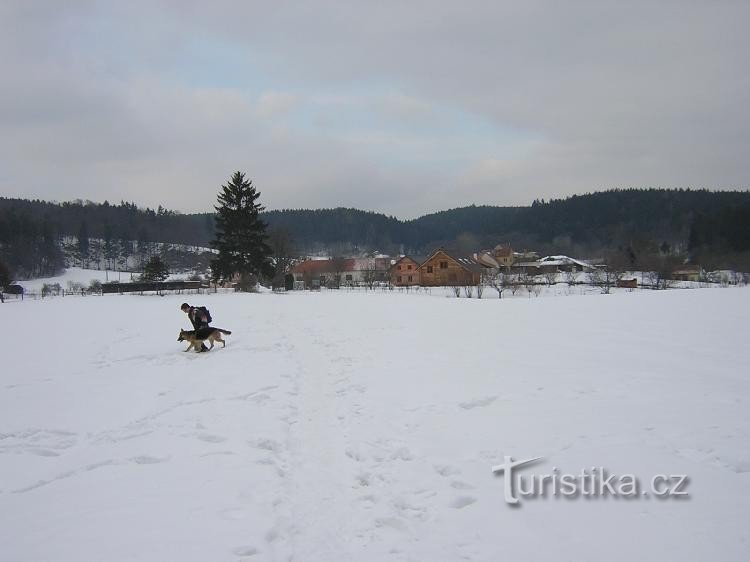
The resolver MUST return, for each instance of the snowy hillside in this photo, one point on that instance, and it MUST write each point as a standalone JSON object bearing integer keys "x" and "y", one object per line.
{"x": 364, "y": 427}
{"x": 85, "y": 277}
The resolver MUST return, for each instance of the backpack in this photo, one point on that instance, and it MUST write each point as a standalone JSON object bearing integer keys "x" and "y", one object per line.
{"x": 205, "y": 311}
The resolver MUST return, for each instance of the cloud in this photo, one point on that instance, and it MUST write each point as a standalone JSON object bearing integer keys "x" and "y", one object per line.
{"x": 400, "y": 107}
{"x": 275, "y": 104}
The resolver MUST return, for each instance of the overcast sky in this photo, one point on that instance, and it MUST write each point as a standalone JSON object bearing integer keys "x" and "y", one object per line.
{"x": 404, "y": 107}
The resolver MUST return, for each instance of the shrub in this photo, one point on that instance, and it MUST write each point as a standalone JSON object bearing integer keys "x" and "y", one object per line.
{"x": 95, "y": 286}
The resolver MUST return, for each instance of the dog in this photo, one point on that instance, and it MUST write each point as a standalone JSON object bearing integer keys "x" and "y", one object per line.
{"x": 197, "y": 337}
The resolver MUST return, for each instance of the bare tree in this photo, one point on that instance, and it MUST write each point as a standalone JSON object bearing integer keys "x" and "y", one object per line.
{"x": 498, "y": 281}
{"x": 51, "y": 289}
{"x": 658, "y": 270}
{"x": 282, "y": 252}
{"x": 456, "y": 290}
{"x": 469, "y": 291}
{"x": 609, "y": 279}
{"x": 338, "y": 264}
{"x": 595, "y": 277}
{"x": 570, "y": 277}
{"x": 611, "y": 275}
{"x": 615, "y": 265}
{"x": 551, "y": 277}
{"x": 736, "y": 277}
{"x": 515, "y": 283}
{"x": 370, "y": 274}
{"x": 480, "y": 290}
{"x": 705, "y": 278}
{"x": 529, "y": 282}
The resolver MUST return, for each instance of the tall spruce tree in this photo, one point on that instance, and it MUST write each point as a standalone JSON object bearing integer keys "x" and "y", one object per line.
{"x": 155, "y": 270}
{"x": 240, "y": 232}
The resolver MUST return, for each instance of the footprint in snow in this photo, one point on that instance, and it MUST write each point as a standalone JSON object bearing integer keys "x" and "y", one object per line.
{"x": 446, "y": 470}
{"x": 462, "y": 502}
{"x": 245, "y": 551}
{"x": 478, "y": 403}
{"x": 402, "y": 453}
{"x": 209, "y": 438}
{"x": 146, "y": 459}
{"x": 266, "y": 445}
{"x": 391, "y": 522}
{"x": 43, "y": 452}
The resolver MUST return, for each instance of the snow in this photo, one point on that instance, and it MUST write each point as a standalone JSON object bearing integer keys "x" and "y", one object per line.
{"x": 85, "y": 276}
{"x": 564, "y": 260}
{"x": 349, "y": 425}
{"x": 75, "y": 275}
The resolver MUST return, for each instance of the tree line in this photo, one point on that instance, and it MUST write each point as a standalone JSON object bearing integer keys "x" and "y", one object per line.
{"x": 710, "y": 226}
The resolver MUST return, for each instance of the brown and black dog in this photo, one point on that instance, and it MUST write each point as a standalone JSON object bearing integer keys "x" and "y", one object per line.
{"x": 197, "y": 337}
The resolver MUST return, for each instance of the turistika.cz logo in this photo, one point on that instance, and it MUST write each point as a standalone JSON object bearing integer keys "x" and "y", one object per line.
{"x": 589, "y": 482}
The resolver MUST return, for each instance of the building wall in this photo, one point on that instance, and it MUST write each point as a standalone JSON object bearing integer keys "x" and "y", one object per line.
{"x": 441, "y": 270}
{"x": 504, "y": 256}
{"x": 403, "y": 270}
{"x": 342, "y": 272}
{"x": 686, "y": 276}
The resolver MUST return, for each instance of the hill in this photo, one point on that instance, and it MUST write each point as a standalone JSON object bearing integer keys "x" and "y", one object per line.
{"x": 712, "y": 224}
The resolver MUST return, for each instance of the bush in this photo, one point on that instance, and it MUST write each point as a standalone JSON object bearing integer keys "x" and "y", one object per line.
{"x": 95, "y": 286}
{"x": 155, "y": 270}
{"x": 50, "y": 289}
{"x": 75, "y": 287}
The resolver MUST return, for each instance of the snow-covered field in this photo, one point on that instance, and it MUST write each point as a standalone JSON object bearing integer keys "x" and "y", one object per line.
{"x": 363, "y": 426}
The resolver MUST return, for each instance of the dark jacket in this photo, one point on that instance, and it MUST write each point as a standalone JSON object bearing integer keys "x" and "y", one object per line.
{"x": 197, "y": 317}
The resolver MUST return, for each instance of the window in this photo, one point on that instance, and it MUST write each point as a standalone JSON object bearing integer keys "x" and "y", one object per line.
{"x": 398, "y": 279}
{"x": 408, "y": 267}
{"x": 348, "y": 277}
{"x": 429, "y": 269}
{"x": 409, "y": 278}
{"x": 443, "y": 265}
{"x": 399, "y": 268}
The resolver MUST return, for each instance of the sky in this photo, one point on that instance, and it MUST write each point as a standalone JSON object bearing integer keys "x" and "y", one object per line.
{"x": 403, "y": 107}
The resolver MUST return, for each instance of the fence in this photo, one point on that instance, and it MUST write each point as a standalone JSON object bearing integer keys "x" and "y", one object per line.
{"x": 141, "y": 287}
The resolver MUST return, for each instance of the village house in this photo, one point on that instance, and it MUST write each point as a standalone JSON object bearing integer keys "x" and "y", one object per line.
{"x": 442, "y": 269}
{"x": 627, "y": 283}
{"x": 487, "y": 260}
{"x": 687, "y": 273}
{"x": 311, "y": 274}
{"x": 405, "y": 271}
{"x": 551, "y": 264}
{"x": 341, "y": 272}
{"x": 500, "y": 257}
{"x": 503, "y": 255}
{"x": 525, "y": 256}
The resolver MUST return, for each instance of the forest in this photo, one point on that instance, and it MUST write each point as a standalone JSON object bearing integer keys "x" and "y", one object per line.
{"x": 710, "y": 227}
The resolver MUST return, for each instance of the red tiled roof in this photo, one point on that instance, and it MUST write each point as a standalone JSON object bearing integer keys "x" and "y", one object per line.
{"x": 317, "y": 267}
